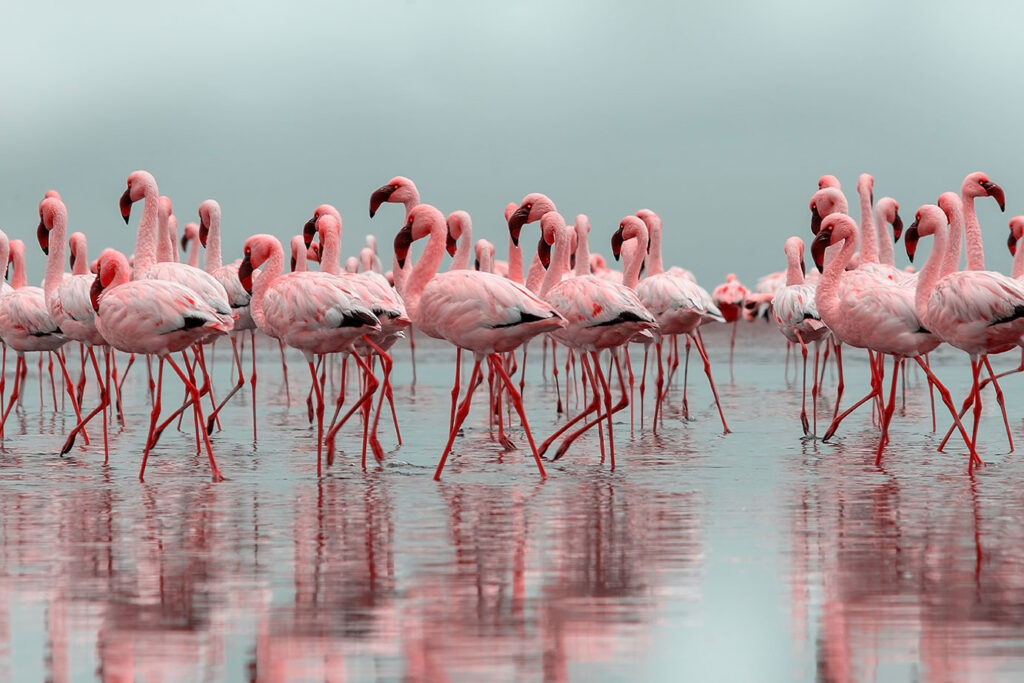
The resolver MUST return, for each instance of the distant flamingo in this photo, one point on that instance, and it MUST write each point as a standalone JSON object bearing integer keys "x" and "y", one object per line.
{"x": 309, "y": 311}
{"x": 484, "y": 256}
{"x": 729, "y": 297}
{"x": 460, "y": 229}
{"x": 190, "y": 244}
{"x": 155, "y": 317}
{"x": 479, "y": 312}
{"x": 875, "y": 314}
{"x": 796, "y": 316}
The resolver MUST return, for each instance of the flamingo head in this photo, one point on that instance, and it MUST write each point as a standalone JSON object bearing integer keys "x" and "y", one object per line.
{"x": 1016, "y": 233}
{"x": 49, "y": 210}
{"x": 927, "y": 220}
{"x": 209, "y": 213}
{"x": 533, "y": 206}
{"x": 139, "y": 183}
{"x": 825, "y": 201}
{"x": 457, "y": 223}
{"x": 828, "y": 180}
{"x": 111, "y": 266}
{"x": 77, "y": 242}
{"x": 977, "y": 184}
{"x": 258, "y": 248}
{"x": 630, "y": 227}
{"x": 399, "y": 190}
{"x": 835, "y": 227}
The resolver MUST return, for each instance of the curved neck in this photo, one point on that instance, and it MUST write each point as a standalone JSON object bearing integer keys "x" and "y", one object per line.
{"x": 972, "y": 235}
{"x": 582, "y": 253}
{"x": 886, "y": 253}
{"x": 80, "y": 250}
{"x": 269, "y": 271}
{"x": 167, "y": 246}
{"x": 55, "y": 259}
{"x": 826, "y": 296}
{"x": 425, "y": 268}
{"x": 655, "y": 265}
{"x": 461, "y": 259}
{"x": 794, "y": 273}
{"x": 559, "y": 254}
{"x": 535, "y": 274}
{"x": 931, "y": 272}
{"x": 634, "y": 260}
{"x": 330, "y": 249}
{"x": 515, "y": 262}
{"x": 868, "y": 245}
{"x": 213, "y": 248}
{"x": 145, "y": 239}
{"x": 954, "y": 243}
{"x": 20, "y": 277}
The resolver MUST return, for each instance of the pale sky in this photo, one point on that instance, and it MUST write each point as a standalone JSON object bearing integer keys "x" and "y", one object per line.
{"x": 719, "y": 116}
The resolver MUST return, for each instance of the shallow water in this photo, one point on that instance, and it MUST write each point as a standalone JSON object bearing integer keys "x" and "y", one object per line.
{"x": 753, "y": 556}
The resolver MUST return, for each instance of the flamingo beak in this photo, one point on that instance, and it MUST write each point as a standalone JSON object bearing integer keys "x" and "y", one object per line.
{"x": 897, "y": 227}
{"x": 402, "y": 242}
{"x": 126, "y": 205}
{"x": 516, "y": 222}
{"x": 476, "y": 264}
{"x": 379, "y": 196}
{"x": 821, "y": 242}
{"x": 184, "y": 242}
{"x": 617, "y": 243}
{"x": 996, "y": 193}
{"x": 43, "y": 235}
{"x": 204, "y": 232}
{"x": 313, "y": 253}
{"x": 72, "y": 260}
{"x": 245, "y": 273}
{"x": 544, "y": 253}
{"x": 803, "y": 267}
{"x": 1011, "y": 243}
{"x": 815, "y": 220}
{"x": 910, "y": 241}
{"x": 309, "y": 231}
{"x": 94, "y": 293}
{"x": 294, "y": 263}
{"x": 450, "y": 244}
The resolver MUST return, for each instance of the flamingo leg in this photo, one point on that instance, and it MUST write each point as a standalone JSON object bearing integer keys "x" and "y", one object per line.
{"x": 239, "y": 383}
{"x": 455, "y": 387}
{"x": 947, "y": 399}
{"x": 698, "y": 341}
{"x": 252, "y": 381}
{"x": 190, "y": 383}
{"x": 460, "y": 416}
{"x": 153, "y": 415}
{"x": 886, "y": 416}
{"x": 517, "y": 401}
{"x": 104, "y": 402}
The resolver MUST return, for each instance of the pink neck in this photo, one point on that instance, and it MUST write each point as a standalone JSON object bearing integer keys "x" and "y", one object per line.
{"x": 145, "y": 239}
{"x": 868, "y": 245}
{"x": 582, "y": 253}
{"x": 515, "y": 262}
{"x": 425, "y": 268}
{"x": 826, "y": 295}
{"x": 461, "y": 259}
{"x": 269, "y": 271}
{"x": 931, "y": 272}
{"x": 20, "y": 277}
{"x": 79, "y": 247}
{"x": 886, "y": 254}
{"x": 213, "y": 249}
{"x": 535, "y": 274}
{"x": 655, "y": 265}
{"x": 954, "y": 242}
{"x": 635, "y": 259}
{"x": 972, "y": 235}
{"x": 794, "y": 273}
{"x": 330, "y": 248}
{"x": 55, "y": 260}
{"x": 559, "y": 251}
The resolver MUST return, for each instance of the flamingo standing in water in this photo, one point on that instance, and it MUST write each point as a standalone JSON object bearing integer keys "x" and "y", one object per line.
{"x": 156, "y": 317}
{"x": 977, "y": 311}
{"x": 875, "y": 314}
{"x": 309, "y": 311}
{"x": 480, "y": 312}
{"x": 796, "y": 316}
{"x": 69, "y": 304}
{"x": 729, "y": 297}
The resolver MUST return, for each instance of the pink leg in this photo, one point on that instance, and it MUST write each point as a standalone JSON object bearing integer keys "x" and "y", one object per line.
{"x": 153, "y": 415}
{"x": 517, "y": 401}
{"x": 887, "y": 411}
{"x": 197, "y": 406}
{"x": 948, "y": 400}
{"x": 460, "y": 416}
{"x": 698, "y": 341}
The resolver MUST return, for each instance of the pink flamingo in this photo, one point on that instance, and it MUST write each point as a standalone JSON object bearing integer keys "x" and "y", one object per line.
{"x": 68, "y": 303}
{"x": 680, "y": 306}
{"x": 484, "y": 256}
{"x": 190, "y": 242}
{"x": 729, "y": 297}
{"x": 208, "y": 234}
{"x": 482, "y": 313}
{"x": 27, "y": 326}
{"x": 309, "y": 311}
{"x": 155, "y": 317}
{"x": 599, "y": 315}
{"x": 977, "y": 311}
{"x": 875, "y": 314}
{"x": 460, "y": 231}
{"x": 796, "y": 316}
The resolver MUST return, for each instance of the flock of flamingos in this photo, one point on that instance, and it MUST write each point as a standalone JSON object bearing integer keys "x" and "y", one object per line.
{"x": 152, "y": 305}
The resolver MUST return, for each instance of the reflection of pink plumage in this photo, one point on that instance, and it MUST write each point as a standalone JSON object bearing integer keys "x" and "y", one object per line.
{"x": 479, "y": 312}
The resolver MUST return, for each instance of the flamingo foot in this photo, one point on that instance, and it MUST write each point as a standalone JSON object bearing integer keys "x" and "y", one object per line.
{"x": 506, "y": 443}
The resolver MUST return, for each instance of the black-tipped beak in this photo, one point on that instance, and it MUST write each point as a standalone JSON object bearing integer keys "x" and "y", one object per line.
{"x": 897, "y": 227}
{"x": 815, "y": 221}
{"x": 309, "y": 231}
{"x": 245, "y": 273}
{"x": 516, "y": 222}
{"x": 996, "y": 193}
{"x": 94, "y": 293}
{"x": 43, "y": 235}
{"x": 1011, "y": 244}
{"x": 379, "y": 196}
{"x": 910, "y": 241}
{"x": 204, "y": 232}
{"x": 617, "y": 243}
{"x": 476, "y": 264}
{"x": 184, "y": 242}
{"x": 72, "y": 259}
{"x": 450, "y": 244}
{"x": 126, "y": 205}
{"x": 821, "y": 242}
{"x": 544, "y": 253}
{"x": 402, "y": 242}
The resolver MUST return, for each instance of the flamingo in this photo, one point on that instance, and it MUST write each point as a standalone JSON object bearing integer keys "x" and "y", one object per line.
{"x": 190, "y": 242}
{"x": 208, "y": 233}
{"x": 679, "y": 304}
{"x": 156, "y": 317}
{"x": 875, "y": 314}
{"x": 480, "y": 312}
{"x": 599, "y": 315}
{"x": 484, "y": 253}
{"x": 460, "y": 231}
{"x": 68, "y": 303}
{"x": 796, "y": 316}
{"x": 309, "y": 311}
{"x": 729, "y": 297}
{"x": 977, "y": 311}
